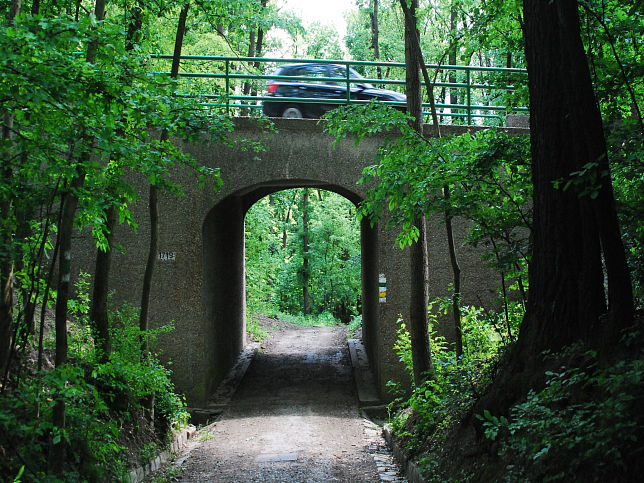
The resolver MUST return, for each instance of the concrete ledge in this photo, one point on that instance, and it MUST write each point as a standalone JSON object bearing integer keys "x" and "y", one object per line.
{"x": 362, "y": 375}
{"x": 409, "y": 467}
{"x": 179, "y": 440}
{"x": 226, "y": 389}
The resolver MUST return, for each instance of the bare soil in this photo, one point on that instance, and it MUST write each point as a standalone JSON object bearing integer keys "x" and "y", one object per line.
{"x": 294, "y": 418}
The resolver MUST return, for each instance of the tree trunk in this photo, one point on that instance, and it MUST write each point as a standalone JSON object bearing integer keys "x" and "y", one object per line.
{"x": 6, "y": 241}
{"x": 6, "y": 264}
{"x": 421, "y": 353}
{"x": 566, "y": 301}
{"x": 571, "y": 229}
{"x": 418, "y": 319}
{"x": 98, "y": 310}
{"x": 153, "y": 198}
{"x": 306, "y": 305}
{"x": 453, "y": 99}
{"x": 374, "y": 36}
{"x": 456, "y": 272}
{"x": 259, "y": 45}
{"x": 252, "y": 44}
{"x": 135, "y": 25}
{"x": 153, "y": 207}
{"x": 57, "y": 450}
{"x": 65, "y": 231}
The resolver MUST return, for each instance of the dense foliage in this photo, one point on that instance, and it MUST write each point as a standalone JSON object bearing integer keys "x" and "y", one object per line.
{"x": 83, "y": 113}
{"x": 422, "y": 420}
{"x": 107, "y": 419}
{"x": 585, "y": 421}
{"x": 276, "y": 250}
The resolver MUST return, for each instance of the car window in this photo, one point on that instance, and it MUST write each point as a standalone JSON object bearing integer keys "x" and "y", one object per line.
{"x": 341, "y": 72}
{"x": 354, "y": 74}
{"x": 337, "y": 71}
{"x": 310, "y": 71}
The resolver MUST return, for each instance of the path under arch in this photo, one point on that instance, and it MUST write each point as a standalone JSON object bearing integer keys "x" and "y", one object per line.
{"x": 293, "y": 418}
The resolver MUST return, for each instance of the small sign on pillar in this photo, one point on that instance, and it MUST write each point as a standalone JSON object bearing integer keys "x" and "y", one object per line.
{"x": 167, "y": 256}
{"x": 382, "y": 288}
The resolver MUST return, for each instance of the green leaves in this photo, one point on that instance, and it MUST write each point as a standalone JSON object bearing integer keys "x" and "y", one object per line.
{"x": 274, "y": 249}
{"x": 585, "y": 421}
{"x": 488, "y": 174}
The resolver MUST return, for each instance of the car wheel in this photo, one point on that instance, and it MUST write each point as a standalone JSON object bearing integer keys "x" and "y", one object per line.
{"x": 292, "y": 112}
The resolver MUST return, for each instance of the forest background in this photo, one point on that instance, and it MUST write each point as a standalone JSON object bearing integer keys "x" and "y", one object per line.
{"x": 80, "y": 101}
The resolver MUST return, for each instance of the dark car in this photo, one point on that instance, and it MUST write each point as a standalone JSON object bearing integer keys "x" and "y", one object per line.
{"x": 323, "y": 89}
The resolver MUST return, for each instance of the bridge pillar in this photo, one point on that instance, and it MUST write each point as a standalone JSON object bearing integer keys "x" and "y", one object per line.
{"x": 224, "y": 287}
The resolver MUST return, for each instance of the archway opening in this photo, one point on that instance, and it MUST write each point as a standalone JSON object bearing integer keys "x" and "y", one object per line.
{"x": 343, "y": 289}
{"x": 303, "y": 259}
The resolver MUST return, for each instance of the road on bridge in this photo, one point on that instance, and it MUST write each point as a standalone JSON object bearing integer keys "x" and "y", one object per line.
{"x": 294, "y": 418}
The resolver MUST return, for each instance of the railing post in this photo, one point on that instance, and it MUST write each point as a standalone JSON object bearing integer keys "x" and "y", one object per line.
{"x": 348, "y": 83}
{"x": 227, "y": 87}
{"x": 468, "y": 78}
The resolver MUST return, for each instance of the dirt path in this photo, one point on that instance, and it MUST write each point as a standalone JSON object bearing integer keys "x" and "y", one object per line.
{"x": 294, "y": 418}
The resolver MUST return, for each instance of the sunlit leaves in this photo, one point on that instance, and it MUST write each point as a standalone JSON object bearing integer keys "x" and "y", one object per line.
{"x": 489, "y": 176}
{"x": 274, "y": 254}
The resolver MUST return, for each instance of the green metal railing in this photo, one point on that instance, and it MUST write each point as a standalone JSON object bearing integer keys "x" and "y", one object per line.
{"x": 220, "y": 80}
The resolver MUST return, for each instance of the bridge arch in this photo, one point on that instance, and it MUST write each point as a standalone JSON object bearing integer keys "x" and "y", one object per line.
{"x": 224, "y": 296}
{"x": 198, "y": 282}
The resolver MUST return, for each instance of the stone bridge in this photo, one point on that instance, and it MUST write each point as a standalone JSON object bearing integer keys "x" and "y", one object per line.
{"x": 199, "y": 279}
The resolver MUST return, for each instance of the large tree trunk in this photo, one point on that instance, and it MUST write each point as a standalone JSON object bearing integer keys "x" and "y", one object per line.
{"x": 571, "y": 227}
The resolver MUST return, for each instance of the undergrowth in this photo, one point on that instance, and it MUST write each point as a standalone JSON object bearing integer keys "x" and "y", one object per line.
{"x": 586, "y": 422}
{"x": 421, "y": 420}
{"x": 325, "y": 319}
{"x": 106, "y": 415}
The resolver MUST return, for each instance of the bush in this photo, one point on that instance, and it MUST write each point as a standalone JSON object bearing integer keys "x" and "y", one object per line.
{"x": 425, "y": 415}
{"x": 104, "y": 402}
{"x": 586, "y": 422}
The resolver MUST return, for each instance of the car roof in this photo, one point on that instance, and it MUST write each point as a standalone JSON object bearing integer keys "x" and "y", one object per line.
{"x": 300, "y": 64}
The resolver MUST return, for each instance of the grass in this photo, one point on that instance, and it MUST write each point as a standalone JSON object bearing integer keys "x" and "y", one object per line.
{"x": 322, "y": 320}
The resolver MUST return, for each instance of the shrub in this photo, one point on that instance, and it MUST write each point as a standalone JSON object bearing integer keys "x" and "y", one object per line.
{"x": 441, "y": 400}
{"x": 586, "y": 421}
{"x": 104, "y": 403}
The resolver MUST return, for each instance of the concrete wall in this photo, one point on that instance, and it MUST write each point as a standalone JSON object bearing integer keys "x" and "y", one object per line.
{"x": 199, "y": 283}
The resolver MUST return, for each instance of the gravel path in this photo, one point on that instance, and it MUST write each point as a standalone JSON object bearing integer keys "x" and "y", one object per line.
{"x": 294, "y": 418}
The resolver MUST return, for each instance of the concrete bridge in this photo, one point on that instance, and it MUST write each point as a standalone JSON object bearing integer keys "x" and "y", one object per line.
{"x": 199, "y": 279}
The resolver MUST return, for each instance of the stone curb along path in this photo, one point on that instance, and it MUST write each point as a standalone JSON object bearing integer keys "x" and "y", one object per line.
{"x": 409, "y": 467}
{"x": 179, "y": 442}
